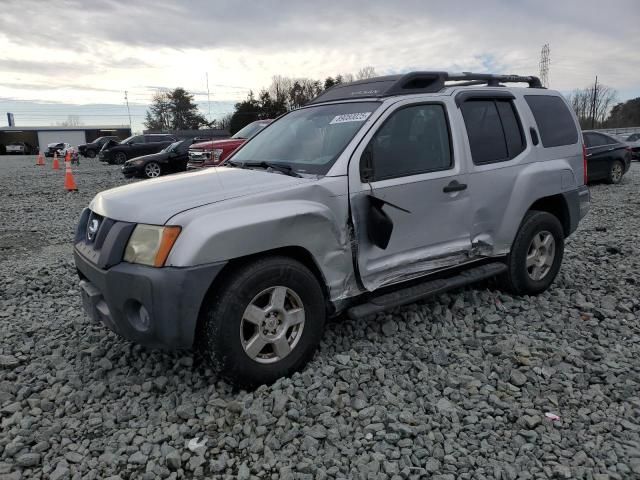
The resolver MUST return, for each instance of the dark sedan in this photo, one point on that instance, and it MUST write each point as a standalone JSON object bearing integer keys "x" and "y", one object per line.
{"x": 170, "y": 160}
{"x": 134, "y": 146}
{"x": 607, "y": 158}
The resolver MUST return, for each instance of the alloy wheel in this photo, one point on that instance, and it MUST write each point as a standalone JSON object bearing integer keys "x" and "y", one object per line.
{"x": 152, "y": 170}
{"x": 272, "y": 324}
{"x": 540, "y": 255}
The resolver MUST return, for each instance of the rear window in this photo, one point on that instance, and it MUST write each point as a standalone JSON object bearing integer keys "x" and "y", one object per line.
{"x": 555, "y": 123}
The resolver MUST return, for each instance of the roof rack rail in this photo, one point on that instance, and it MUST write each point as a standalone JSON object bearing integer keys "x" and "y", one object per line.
{"x": 417, "y": 82}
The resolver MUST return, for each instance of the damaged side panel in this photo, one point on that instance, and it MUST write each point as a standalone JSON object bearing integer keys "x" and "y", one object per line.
{"x": 312, "y": 216}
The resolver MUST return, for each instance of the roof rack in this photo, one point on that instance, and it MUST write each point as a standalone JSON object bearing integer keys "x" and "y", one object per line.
{"x": 417, "y": 82}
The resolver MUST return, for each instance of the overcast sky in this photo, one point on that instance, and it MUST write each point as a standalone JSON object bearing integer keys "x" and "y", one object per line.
{"x": 91, "y": 51}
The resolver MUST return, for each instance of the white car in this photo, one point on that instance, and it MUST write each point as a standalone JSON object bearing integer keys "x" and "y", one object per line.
{"x": 57, "y": 147}
{"x": 18, "y": 148}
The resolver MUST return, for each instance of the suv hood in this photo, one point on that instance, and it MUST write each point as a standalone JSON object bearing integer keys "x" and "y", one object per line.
{"x": 227, "y": 142}
{"x": 155, "y": 201}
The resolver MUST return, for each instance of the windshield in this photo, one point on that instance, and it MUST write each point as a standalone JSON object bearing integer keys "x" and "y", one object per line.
{"x": 310, "y": 139}
{"x": 172, "y": 147}
{"x": 127, "y": 139}
{"x": 250, "y": 130}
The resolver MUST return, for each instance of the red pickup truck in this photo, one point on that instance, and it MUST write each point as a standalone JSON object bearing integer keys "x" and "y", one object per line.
{"x": 209, "y": 154}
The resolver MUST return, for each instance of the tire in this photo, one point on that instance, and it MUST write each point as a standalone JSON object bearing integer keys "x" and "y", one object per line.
{"x": 119, "y": 158}
{"x": 528, "y": 274}
{"x": 616, "y": 172}
{"x": 90, "y": 154}
{"x": 152, "y": 170}
{"x": 231, "y": 315}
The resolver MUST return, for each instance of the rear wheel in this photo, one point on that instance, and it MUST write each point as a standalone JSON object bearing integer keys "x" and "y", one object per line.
{"x": 265, "y": 322}
{"x": 616, "y": 171}
{"x": 120, "y": 158}
{"x": 536, "y": 254}
{"x": 152, "y": 170}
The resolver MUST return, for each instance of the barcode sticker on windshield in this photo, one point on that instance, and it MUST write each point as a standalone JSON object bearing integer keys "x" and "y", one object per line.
{"x": 350, "y": 117}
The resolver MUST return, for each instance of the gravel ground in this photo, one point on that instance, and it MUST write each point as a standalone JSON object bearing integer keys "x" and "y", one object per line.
{"x": 457, "y": 387}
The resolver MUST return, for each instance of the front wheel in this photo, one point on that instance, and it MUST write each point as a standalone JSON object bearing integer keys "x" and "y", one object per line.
{"x": 264, "y": 322}
{"x": 91, "y": 154}
{"x": 536, "y": 254}
{"x": 152, "y": 170}
{"x": 120, "y": 158}
{"x": 616, "y": 171}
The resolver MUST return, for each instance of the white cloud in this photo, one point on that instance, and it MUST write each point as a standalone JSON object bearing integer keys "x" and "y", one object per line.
{"x": 113, "y": 45}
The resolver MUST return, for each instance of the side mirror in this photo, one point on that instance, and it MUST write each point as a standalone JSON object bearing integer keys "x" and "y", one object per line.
{"x": 379, "y": 224}
{"x": 366, "y": 165}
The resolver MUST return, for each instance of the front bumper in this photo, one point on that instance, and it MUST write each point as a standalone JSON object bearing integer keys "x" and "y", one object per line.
{"x": 155, "y": 307}
{"x": 132, "y": 170}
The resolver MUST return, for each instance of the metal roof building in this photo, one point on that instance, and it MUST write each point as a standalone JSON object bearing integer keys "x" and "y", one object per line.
{"x": 39, "y": 137}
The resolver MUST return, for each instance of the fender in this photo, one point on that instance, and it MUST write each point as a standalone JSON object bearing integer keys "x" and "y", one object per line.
{"x": 311, "y": 218}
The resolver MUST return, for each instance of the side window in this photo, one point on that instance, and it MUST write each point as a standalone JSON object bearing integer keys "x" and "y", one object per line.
{"x": 555, "y": 123}
{"x": 589, "y": 140}
{"x": 137, "y": 139}
{"x": 597, "y": 140}
{"x": 493, "y": 129}
{"x": 412, "y": 140}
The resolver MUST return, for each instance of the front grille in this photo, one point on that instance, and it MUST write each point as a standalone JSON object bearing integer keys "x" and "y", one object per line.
{"x": 102, "y": 240}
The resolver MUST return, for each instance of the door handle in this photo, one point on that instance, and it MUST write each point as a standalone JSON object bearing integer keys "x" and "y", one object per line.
{"x": 454, "y": 186}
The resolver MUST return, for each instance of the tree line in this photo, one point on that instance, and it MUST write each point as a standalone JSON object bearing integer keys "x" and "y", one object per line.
{"x": 595, "y": 106}
{"x": 284, "y": 94}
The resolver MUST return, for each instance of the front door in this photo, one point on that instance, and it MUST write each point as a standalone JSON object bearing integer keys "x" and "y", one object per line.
{"x": 408, "y": 196}
{"x": 599, "y": 155}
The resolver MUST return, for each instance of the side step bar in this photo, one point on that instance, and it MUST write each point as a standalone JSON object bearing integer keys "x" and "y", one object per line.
{"x": 426, "y": 289}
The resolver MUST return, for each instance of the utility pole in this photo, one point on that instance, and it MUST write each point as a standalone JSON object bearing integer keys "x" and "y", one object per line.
{"x": 208, "y": 99}
{"x": 126, "y": 99}
{"x": 544, "y": 64}
{"x": 593, "y": 103}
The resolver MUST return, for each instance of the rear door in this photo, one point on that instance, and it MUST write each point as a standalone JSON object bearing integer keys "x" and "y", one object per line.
{"x": 497, "y": 146}
{"x": 600, "y": 153}
{"x": 414, "y": 197}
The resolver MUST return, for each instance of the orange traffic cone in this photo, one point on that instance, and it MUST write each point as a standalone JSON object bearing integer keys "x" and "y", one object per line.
{"x": 69, "y": 182}
{"x": 40, "y": 160}
{"x": 67, "y": 156}
{"x": 56, "y": 163}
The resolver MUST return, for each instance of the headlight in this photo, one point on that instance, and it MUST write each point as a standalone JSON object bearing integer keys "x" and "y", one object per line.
{"x": 150, "y": 244}
{"x": 217, "y": 153}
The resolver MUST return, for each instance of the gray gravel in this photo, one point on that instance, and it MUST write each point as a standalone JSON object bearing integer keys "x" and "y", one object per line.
{"x": 457, "y": 387}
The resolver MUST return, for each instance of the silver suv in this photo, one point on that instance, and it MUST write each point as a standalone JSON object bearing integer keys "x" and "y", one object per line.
{"x": 376, "y": 194}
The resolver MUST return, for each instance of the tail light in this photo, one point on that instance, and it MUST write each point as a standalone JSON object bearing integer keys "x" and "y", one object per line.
{"x": 584, "y": 162}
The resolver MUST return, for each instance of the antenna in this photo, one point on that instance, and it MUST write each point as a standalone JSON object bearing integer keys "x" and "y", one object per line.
{"x": 126, "y": 99}
{"x": 544, "y": 64}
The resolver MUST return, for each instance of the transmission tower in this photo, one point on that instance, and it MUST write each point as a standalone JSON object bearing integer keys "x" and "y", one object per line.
{"x": 544, "y": 65}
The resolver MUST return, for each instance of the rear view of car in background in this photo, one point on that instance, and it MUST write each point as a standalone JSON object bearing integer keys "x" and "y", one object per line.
{"x": 91, "y": 150}
{"x": 208, "y": 154}
{"x": 18, "y": 148}
{"x": 608, "y": 158}
{"x": 633, "y": 141}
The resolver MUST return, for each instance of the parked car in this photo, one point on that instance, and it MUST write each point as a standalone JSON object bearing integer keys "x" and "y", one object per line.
{"x": 376, "y": 194}
{"x": 3, "y": 149}
{"x": 170, "y": 160}
{"x": 58, "y": 147}
{"x": 18, "y": 148}
{"x": 208, "y": 154}
{"x": 607, "y": 157}
{"x": 633, "y": 141}
{"x": 90, "y": 150}
{"x": 135, "y": 146}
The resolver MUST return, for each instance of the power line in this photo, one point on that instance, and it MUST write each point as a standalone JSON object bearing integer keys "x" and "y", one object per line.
{"x": 544, "y": 65}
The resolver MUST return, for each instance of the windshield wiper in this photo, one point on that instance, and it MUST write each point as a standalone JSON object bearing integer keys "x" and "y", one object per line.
{"x": 282, "y": 168}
